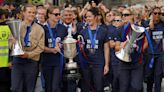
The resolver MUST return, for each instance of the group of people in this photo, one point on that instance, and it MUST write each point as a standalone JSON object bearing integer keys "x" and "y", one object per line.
{"x": 134, "y": 31}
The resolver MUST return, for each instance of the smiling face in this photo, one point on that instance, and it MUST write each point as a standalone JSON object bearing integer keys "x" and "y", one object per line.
{"x": 90, "y": 18}
{"x": 127, "y": 16}
{"x": 41, "y": 15}
{"x": 68, "y": 16}
{"x": 29, "y": 13}
{"x": 117, "y": 21}
{"x": 156, "y": 14}
{"x": 109, "y": 17}
{"x": 54, "y": 15}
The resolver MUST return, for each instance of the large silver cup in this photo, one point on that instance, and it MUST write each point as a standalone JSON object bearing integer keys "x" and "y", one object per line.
{"x": 124, "y": 53}
{"x": 70, "y": 52}
{"x": 71, "y": 70}
{"x": 15, "y": 30}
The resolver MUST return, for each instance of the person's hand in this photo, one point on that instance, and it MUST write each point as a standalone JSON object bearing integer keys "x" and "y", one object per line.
{"x": 151, "y": 23}
{"x": 25, "y": 55}
{"x": 10, "y": 65}
{"x": 106, "y": 69}
{"x": 12, "y": 40}
{"x": 57, "y": 49}
{"x": 117, "y": 48}
{"x": 112, "y": 43}
{"x": 53, "y": 50}
{"x": 86, "y": 5}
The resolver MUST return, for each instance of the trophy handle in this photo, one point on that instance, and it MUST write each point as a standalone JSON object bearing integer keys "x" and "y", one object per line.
{"x": 81, "y": 39}
{"x": 124, "y": 54}
{"x": 58, "y": 40}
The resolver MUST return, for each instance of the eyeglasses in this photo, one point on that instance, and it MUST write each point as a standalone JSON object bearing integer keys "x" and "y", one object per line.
{"x": 155, "y": 13}
{"x": 117, "y": 20}
{"x": 126, "y": 14}
{"x": 56, "y": 14}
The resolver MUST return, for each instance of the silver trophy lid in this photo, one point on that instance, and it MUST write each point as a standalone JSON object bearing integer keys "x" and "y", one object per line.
{"x": 69, "y": 40}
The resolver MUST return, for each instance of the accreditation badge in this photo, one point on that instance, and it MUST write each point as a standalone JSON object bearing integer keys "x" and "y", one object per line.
{"x": 50, "y": 44}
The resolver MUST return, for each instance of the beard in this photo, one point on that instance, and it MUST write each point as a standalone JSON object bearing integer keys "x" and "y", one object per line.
{"x": 162, "y": 18}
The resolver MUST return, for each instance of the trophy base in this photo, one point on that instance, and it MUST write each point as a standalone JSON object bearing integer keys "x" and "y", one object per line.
{"x": 71, "y": 65}
{"x": 71, "y": 74}
{"x": 16, "y": 52}
{"x": 122, "y": 55}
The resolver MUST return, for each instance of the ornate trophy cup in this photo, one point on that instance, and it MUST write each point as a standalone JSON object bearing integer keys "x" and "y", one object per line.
{"x": 124, "y": 54}
{"x": 71, "y": 70}
{"x": 15, "y": 30}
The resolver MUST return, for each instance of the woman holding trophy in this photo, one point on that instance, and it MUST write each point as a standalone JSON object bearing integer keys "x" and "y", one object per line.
{"x": 96, "y": 52}
{"x": 31, "y": 37}
{"x": 50, "y": 58}
{"x": 128, "y": 51}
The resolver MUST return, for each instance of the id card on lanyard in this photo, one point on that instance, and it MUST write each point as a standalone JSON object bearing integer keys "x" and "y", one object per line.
{"x": 52, "y": 40}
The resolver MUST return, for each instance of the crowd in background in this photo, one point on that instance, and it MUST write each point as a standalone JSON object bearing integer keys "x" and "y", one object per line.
{"x": 120, "y": 76}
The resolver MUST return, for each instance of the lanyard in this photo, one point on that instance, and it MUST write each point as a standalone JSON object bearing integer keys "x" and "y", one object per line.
{"x": 151, "y": 48}
{"x": 127, "y": 29}
{"x": 53, "y": 37}
{"x": 92, "y": 37}
{"x": 27, "y": 36}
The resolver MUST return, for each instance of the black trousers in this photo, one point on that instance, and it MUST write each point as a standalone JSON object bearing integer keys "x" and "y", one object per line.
{"x": 131, "y": 77}
{"x": 24, "y": 75}
{"x": 155, "y": 74}
{"x": 5, "y": 79}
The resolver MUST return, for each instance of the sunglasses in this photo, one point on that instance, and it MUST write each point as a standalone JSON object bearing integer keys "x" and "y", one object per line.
{"x": 126, "y": 14}
{"x": 117, "y": 20}
{"x": 155, "y": 13}
{"x": 56, "y": 14}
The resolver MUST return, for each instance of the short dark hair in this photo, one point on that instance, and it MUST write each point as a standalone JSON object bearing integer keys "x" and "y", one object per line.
{"x": 96, "y": 1}
{"x": 4, "y": 12}
{"x": 94, "y": 11}
{"x": 51, "y": 8}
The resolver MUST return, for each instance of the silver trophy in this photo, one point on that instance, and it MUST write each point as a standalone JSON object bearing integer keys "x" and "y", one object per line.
{"x": 71, "y": 69}
{"x": 14, "y": 26}
{"x": 124, "y": 53}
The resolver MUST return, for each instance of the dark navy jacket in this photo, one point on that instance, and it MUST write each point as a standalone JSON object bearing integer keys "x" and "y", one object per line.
{"x": 102, "y": 37}
{"x": 116, "y": 35}
{"x": 50, "y": 59}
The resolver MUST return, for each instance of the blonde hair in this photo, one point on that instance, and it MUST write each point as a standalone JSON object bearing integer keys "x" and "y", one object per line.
{"x": 26, "y": 6}
{"x": 131, "y": 12}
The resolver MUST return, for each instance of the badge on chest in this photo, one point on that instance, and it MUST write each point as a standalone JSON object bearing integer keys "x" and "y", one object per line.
{"x": 157, "y": 35}
{"x": 89, "y": 46}
{"x": 51, "y": 42}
